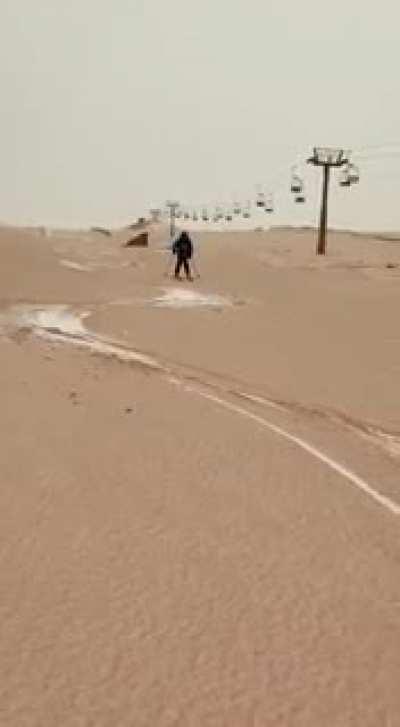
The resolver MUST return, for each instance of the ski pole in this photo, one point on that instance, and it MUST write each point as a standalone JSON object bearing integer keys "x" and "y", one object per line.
{"x": 169, "y": 267}
{"x": 195, "y": 269}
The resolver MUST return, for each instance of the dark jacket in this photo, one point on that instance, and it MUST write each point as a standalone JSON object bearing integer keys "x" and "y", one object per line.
{"x": 183, "y": 246}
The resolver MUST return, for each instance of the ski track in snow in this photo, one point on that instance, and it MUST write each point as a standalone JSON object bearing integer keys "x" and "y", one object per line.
{"x": 59, "y": 323}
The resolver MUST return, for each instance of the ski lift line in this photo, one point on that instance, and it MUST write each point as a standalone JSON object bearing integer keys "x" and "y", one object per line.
{"x": 278, "y": 189}
{"x": 199, "y": 209}
{"x": 367, "y": 153}
{"x": 376, "y": 147}
{"x": 264, "y": 202}
{"x": 377, "y": 155}
{"x": 282, "y": 172}
{"x": 273, "y": 183}
{"x": 378, "y": 158}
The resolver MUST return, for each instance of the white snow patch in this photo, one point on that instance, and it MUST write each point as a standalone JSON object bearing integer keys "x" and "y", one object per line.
{"x": 184, "y": 298}
{"x": 75, "y": 266}
{"x": 44, "y": 317}
{"x": 51, "y": 318}
{"x": 61, "y": 324}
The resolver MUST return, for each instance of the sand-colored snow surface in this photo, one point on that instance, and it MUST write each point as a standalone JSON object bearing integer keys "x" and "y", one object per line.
{"x": 200, "y": 482}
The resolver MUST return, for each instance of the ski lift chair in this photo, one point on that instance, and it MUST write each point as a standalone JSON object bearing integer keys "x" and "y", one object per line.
{"x": 353, "y": 174}
{"x": 296, "y": 186}
{"x": 345, "y": 180}
{"x": 269, "y": 206}
{"x": 260, "y": 202}
{"x": 247, "y": 210}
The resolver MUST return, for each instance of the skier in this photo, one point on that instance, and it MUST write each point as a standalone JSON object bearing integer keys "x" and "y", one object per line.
{"x": 183, "y": 249}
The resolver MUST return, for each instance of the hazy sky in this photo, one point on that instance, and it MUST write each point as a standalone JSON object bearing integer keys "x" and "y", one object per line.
{"x": 111, "y": 106}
